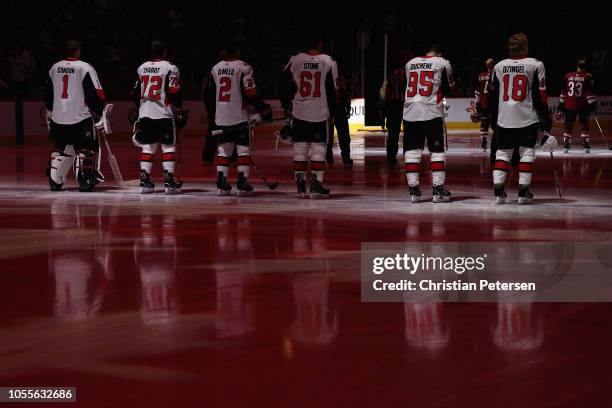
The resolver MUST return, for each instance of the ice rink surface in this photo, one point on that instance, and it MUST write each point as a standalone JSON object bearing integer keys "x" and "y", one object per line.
{"x": 199, "y": 300}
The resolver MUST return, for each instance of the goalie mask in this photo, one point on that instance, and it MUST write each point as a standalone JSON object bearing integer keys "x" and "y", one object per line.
{"x": 548, "y": 143}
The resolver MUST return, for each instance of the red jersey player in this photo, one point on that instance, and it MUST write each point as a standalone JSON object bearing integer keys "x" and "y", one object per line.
{"x": 230, "y": 89}
{"x": 309, "y": 93}
{"x": 427, "y": 79}
{"x": 517, "y": 91}
{"x": 483, "y": 78}
{"x": 73, "y": 95}
{"x": 577, "y": 101}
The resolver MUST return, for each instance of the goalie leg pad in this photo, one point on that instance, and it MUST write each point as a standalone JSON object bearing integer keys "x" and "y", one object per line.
{"x": 300, "y": 157}
{"x": 317, "y": 160}
{"x": 526, "y": 165}
{"x": 412, "y": 165}
{"x": 61, "y": 164}
{"x": 244, "y": 159}
{"x": 438, "y": 168}
{"x": 502, "y": 165}
{"x": 224, "y": 152}
{"x": 168, "y": 157}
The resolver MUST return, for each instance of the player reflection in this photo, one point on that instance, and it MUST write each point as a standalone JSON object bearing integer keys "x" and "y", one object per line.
{"x": 235, "y": 310}
{"x": 518, "y": 327}
{"x": 155, "y": 255}
{"x": 425, "y": 326}
{"x": 83, "y": 273}
{"x": 316, "y": 321}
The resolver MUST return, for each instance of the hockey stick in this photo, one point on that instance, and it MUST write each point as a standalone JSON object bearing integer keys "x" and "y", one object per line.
{"x": 602, "y": 132}
{"x": 112, "y": 160}
{"x": 271, "y": 186}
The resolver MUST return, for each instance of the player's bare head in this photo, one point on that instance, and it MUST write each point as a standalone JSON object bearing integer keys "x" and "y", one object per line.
{"x": 518, "y": 46}
{"x": 489, "y": 63}
{"x": 158, "y": 50}
{"x": 314, "y": 42}
{"x": 230, "y": 49}
{"x": 72, "y": 49}
{"x": 434, "y": 50}
{"x": 582, "y": 64}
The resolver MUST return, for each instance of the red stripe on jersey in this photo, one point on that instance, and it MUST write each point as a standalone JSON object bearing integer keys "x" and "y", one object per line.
{"x": 244, "y": 160}
{"x": 250, "y": 92}
{"x": 300, "y": 165}
{"x": 173, "y": 89}
{"x": 146, "y": 157}
{"x": 502, "y": 165}
{"x": 526, "y": 167}
{"x": 317, "y": 165}
{"x": 168, "y": 156}
{"x": 101, "y": 95}
{"x": 544, "y": 96}
{"x": 412, "y": 167}
{"x": 223, "y": 161}
{"x": 437, "y": 166}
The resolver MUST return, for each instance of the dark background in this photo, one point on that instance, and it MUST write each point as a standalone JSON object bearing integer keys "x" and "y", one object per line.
{"x": 116, "y": 37}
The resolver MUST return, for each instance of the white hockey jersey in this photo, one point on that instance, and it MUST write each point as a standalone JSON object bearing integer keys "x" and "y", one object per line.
{"x": 424, "y": 77}
{"x": 231, "y": 77}
{"x": 158, "y": 79}
{"x": 310, "y": 73}
{"x": 69, "y": 78}
{"x": 518, "y": 82}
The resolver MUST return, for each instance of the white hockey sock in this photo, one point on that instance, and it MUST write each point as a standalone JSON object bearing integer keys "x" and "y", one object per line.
{"x": 502, "y": 165}
{"x": 412, "y": 165}
{"x": 224, "y": 152}
{"x": 317, "y": 160}
{"x": 585, "y": 137}
{"x": 526, "y": 165}
{"x": 244, "y": 159}
{"x": 168, "y": 157}
{"x": 146, "y": 157}
{"x": 300, "y": 158}
{"x": 438, "y": 169}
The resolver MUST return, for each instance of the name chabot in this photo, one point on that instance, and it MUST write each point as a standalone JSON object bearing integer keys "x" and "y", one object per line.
{"x": 412, "y": 264}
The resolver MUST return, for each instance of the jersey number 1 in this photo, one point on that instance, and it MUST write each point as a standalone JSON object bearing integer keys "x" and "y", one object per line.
{"x": 65, "y": 89}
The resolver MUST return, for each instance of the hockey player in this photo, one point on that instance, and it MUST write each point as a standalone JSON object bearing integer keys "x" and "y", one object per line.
{"x": 343, "y": 113}
{"x": 518, "y": 88}
{"x": 73, "y": 97}
{"x": 483, "y": 78}
{"x": 157, "y": 94}
{"x": 428, "y": 79}
{"x": 230, "y": 89}
{"x": 577, "y": 101}
{"x": 308, "y": 93}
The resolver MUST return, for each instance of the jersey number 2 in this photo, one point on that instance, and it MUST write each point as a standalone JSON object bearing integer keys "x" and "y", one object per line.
{"x": 225, "y": 86}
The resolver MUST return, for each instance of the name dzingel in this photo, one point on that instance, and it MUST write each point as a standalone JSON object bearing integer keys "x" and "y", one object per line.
{"x": 455, "y": 285}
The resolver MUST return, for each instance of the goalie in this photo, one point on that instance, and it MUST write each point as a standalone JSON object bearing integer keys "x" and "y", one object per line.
{"x": 73, "y": 97}
{"x": 157, "y": 94}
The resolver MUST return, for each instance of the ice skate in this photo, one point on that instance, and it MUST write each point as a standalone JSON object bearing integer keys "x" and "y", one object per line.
{"x": 317, "y": 190}
{"x": 172, "y": 185}
{"x": 440, "y": 194}
{"x": 223, "y": 187}
{"x": 415, "y": 194}
{"x": 146, "y": 186}
{"x": 500, "y": 193}
{"x": 525, "y": 196}
{"x": 243, "y": 187}
{"x": 300, "y": 183}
